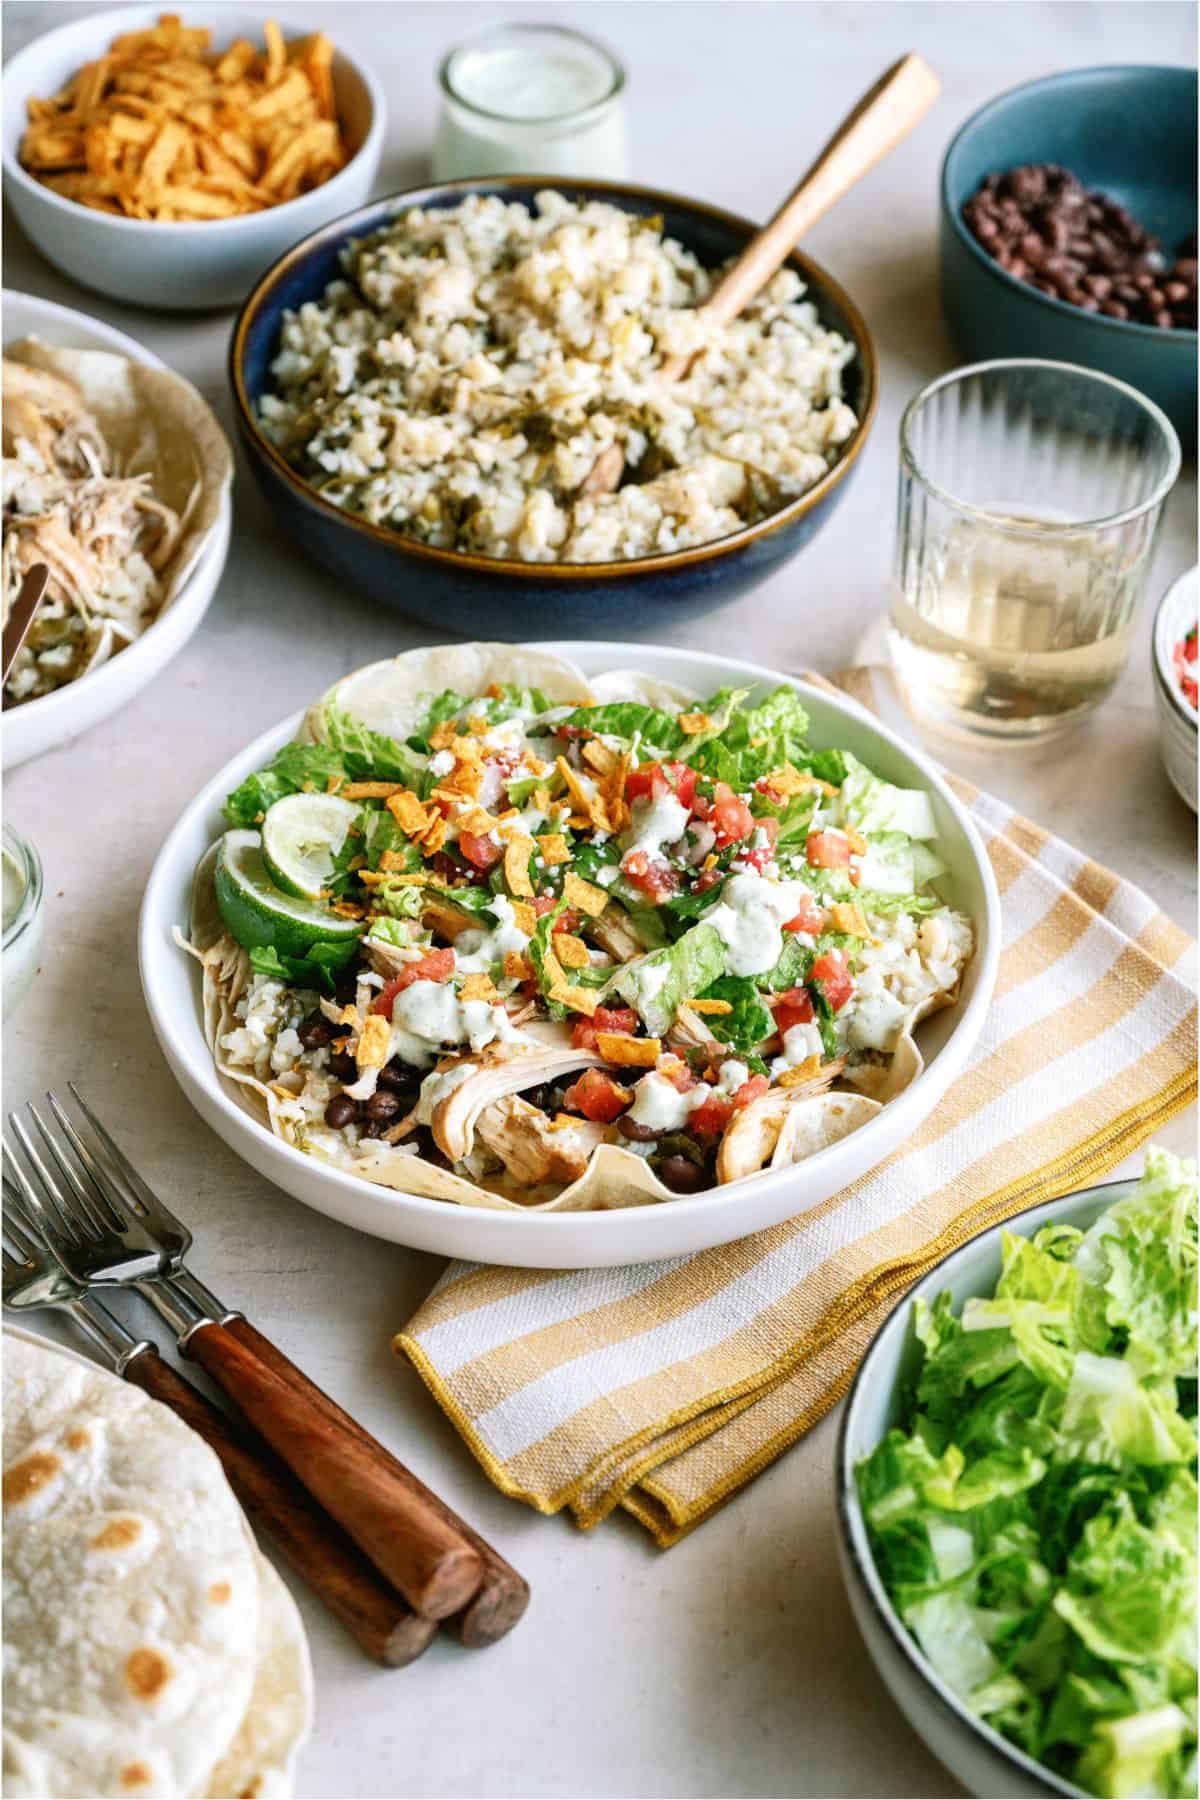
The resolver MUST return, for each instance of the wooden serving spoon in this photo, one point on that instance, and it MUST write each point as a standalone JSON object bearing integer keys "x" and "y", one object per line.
{"x": 885, "y": 114}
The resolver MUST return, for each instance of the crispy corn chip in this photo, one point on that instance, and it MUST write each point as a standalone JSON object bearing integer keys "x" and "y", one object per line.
{"x": 718, "y": 1009}
{"x": 598, "y": 756}
{"x": 580, "y": 1000}
{"x": 802, "y": 1072}
{"x": 585, "y": 895}
{"x": 856, "y": 841}
{"x": 516, "y": 966}
{"x": 409, "y": 814}
{"x": 368, "y": 790}
{"x": 572, "y": 951}
{"x": 694, "y": 723}
{"x": 435, "y": 836}
{"x": 846, "y": 915}
{"x": 517, "y": 853}
{"x": 478, "y": 987}
{"x": 629, "y": 1052}
{"x": 524, "y": 917}
{"x": 374, "y": 1043}
{"x": 553, "y": 846}
{"x": 554, "y": 972}
{"x": 161, "y": 127}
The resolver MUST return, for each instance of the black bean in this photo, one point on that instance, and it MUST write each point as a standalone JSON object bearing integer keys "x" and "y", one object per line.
{"x": 641, "y": 1134}
{"x": 374, "y": 1128}
{"x": 383, "y": 1105}
{"x": 315, "y": 1031}
{"x": 1113, "y": 309}
{"x": 400, "y": 1077}
{"x": 682, "y": 1175}
{"x": 1098, "y": 285}
{"x": 343, "y": 1065}
{"x": 1165, "y": 320}
{"x": 341, "y": 1111}
{"x": 1175, "y": 291}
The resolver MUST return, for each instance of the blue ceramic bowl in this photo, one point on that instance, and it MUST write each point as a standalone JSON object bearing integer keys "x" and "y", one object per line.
{"x": 1130, "y": 131}
{"x": 457, "y": 591}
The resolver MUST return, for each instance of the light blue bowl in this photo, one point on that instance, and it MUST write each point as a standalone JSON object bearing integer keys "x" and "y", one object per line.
{"x": 1129, "y": 131}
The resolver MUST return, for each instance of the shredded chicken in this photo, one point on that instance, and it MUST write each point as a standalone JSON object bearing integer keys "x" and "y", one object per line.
{"x": 104, "y": 536}
{"x": 530, "y": 1146}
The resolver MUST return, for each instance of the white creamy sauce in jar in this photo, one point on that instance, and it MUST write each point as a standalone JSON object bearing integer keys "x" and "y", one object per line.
{"x": 530, "y": 97}
{"x": 14, "y": 887}
{"x": 23, "y": 915}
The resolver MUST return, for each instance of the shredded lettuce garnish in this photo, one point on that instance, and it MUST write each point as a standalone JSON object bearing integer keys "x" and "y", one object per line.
{"x": 1034, "y": 1513}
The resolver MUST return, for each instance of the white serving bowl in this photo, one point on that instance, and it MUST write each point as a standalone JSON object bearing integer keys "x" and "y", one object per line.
{"x": 986, "y": 1763}
{"x": 39, "y": 725}
{"x": 1177, "y": 722}
{"x": 177, "y": 266}
{"x": 171, "y": 983}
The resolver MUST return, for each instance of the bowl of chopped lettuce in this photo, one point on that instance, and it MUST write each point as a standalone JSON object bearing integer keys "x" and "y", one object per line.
{"x": 1017, "y": 1497}
{"x": 526, "y": 954}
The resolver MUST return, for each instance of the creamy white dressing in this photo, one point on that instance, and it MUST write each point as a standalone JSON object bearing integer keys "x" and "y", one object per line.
{"x": 477, "y": 950}
{"x": 799, "y": 1043}
{"x": 428, "y": 1015}
{"x": 655, "y": 823}
{"x": 659, "y": 1106}
{"x": 750, "y": 917}
{"x": 441, "y": 762}
{"x": 734, "y": 1074}
{"x": 876, "y": 1020}
{"x": 14, "y": 887}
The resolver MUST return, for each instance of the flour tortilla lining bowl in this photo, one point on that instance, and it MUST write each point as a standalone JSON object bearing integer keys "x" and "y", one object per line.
{"x": 270, "y": 1689}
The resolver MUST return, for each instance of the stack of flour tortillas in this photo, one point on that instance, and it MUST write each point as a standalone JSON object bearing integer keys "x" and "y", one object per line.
{"x": 149, "y": 1649}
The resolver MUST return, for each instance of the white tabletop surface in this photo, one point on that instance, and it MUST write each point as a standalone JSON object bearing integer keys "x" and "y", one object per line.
{"x": 729, "y": 1665}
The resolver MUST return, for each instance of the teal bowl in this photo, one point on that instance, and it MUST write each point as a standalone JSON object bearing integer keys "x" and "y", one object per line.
{"x": 453, "y": 590}
{"x": 1128, "y": 130}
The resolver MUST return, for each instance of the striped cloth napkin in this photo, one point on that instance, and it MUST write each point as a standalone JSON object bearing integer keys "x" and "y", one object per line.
{"x": 664, "y": 1388}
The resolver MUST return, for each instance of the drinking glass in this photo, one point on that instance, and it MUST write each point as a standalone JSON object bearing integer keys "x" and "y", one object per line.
{"x": 1030, "y": 498}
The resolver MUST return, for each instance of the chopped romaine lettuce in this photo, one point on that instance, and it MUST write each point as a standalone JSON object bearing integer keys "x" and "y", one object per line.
{"x": 656, "y": 984}
{"x": 1034, "y": 1513}
{"x": 748, "y": 1023}
{"x": 314, "y": 971}
{"x": 290, "y": 770}
{"x": 369, "y": 755}
{"x": 872, "y": 805}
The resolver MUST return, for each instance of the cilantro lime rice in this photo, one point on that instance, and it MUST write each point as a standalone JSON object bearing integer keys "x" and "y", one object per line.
{"x": 1034, "y": 1516}
{"x": 459, "y": 380}
{"x": 572, "y": 952}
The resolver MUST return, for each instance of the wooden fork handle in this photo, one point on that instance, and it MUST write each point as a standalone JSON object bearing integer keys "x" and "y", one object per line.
{"x": 384, "y": 1508}
{"x": 503, "y": 1594}
{"x": 316, "y": 1548}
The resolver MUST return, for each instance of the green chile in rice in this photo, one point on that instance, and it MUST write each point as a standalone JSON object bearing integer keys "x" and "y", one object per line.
{"x": 459, "y": 381}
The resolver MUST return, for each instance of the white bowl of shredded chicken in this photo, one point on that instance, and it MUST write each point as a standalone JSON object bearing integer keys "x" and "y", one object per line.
{"x": 117, "y": 476}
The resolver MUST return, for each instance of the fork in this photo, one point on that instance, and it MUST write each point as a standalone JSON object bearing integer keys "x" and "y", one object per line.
{"x": 317, "y": 1549}
{"x": 81, "y": 1206}
{"x": 502, "y": 1596}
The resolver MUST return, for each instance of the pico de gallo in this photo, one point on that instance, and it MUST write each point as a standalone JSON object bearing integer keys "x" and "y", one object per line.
{"x": 1184, "y": 658}
{"x": 524, "y": 929}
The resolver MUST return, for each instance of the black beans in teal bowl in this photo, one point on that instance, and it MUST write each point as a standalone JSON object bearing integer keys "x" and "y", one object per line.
{"x": 492, "y": 597}
{"x": 1128, "y": 132}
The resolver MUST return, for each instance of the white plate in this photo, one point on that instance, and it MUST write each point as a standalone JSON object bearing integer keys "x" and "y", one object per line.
{"x": 986, "y": 1763}
{"x": 1177, "y": 721}
{"x": 40, "y": 725}
{"x": 188, "y": 264}
{"x": 171, "y": 983}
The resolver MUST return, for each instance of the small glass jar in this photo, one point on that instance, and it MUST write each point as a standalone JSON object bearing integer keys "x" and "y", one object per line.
{"x": 23, "y": 910}
{"x": 530, "y": 100}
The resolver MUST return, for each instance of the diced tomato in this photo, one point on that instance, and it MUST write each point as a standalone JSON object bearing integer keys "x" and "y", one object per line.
{"x": 567, "y": 920}
{"x": 836, "y": 982}
{"x": 676, "y": 1071}
{"x": 437, "y": 966}
{"x": 573, "y": 731}
{"x": 708, "y": 878}
{"x": 711, "y": 1118}
{"x": 793, "y": 1007}
{"x": 828, "y": 850}
{"x": 751, "y": 1090}
{"x": 657, "y": 880}
{"x": 701, "y": 806}
{"x": 597, "y": 1096}
{"x": 605, "y": 1018}
{"x": 479, "y": 850}
{"x": 543, "y": 904}
{"x": 653, "y": 780}
{"x": 809, "y": 918}
{"x": 731, "y": 816}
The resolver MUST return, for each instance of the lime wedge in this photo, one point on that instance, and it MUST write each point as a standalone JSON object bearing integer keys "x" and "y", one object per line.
{"x": 301, "y": 836}
{"x": 259, "y": 914}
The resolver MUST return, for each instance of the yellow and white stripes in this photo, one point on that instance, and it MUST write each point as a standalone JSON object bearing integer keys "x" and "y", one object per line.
{"x": 667, "y": 1387}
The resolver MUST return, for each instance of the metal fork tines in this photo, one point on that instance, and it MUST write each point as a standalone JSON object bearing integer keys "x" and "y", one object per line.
{"x": 105, "y": 1224}
{"x": 33, "y": 1279}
